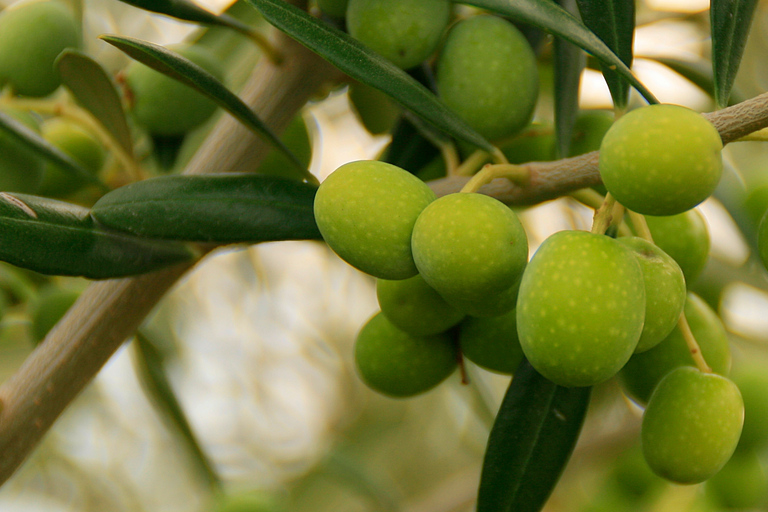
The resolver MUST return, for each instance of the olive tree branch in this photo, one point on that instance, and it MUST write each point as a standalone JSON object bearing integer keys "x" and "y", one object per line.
{"x": 110, "y": 311}
{"x": 550, "y": 180}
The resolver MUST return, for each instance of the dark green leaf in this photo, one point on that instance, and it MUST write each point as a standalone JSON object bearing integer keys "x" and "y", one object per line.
{"x": 356, "y": 60}
{"x": 93, "y": 89}
{"x": 613, "y": 21}
{"x": 409, "y": 149}
{"x": 730, "y": 21}
{"x": 569, "y": 62}
{"x": 179, "y": 68}
{"x": 152, "y": 375}
{"x": 700, "y": 73}
{"x": 552, "y": 18}
{"x": 42, "y": 147}
{"x": 54, "y": 237}
{"x": 188, "y": 11}
{"x": 218, "y": 208}
{"x": 530, "y": 443}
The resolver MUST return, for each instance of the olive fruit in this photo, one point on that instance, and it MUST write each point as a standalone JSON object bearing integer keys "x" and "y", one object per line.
{"x": 335, "y": 8}
{"x": 492, "y": 342}
{"x": 685, "y": 237}
{"x": 644, "y": 371}
{"x": 247, "y": 502}
{"x": 742, "y": 483}
{"x": 469, "y": 247}
{"x": 366, "y": 212}
{"x": 296, "y": 138}
{"x": 163, "y": 106}
{"x": 752, "y": 381}
{"x": 404, "y": 31}
{"x": 21, "y": 169}
{"x": 535, "y": 144}
{"x": 375, "y": 110}
{"x": 581, "y": 308}
{"x": 487, "y": 74}
{"x": 32, "y": 35}
{"x": 661, "y": 159}
{"x": 664, "y": 291}
{"x": 399, "y": 364}
{"x": 78, "y": 143}
{"x": 588, "y": 131}
{"x": 691, "y": 425}
{"x": 415, "y": 307}
{"x": 762, "y": 241}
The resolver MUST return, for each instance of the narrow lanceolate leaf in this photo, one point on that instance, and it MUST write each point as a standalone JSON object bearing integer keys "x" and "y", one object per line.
{"x": 356, "y": 60}
{"x": 730, "y": 21}
{"x": 531, "y": 441}
{"x": 179, "y": 68}
{"x": 91, "y": 86}
{"x": 189, "y": 11}
{"x": 54, "y": 237}
{"x": 42, "y": 147}
{"x": 220, "y": 208}
{"x": 700, "y": 73}
{"x": 552, "y": 18}
{"x": 613, "y": 21}
{"x": 152, "y": 375}
{"x": 569, "y": 62}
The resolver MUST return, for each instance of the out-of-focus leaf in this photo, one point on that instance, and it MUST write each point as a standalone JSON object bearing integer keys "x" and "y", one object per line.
{"x": 613, "y": 21}
{"x": 94, "y": 90}
{"x": 700, "y": 73}
{"x": 42, "y": 147}
{"x": 530, "y": 443}
{"x": 569, "y": 62}
{"x": 356, "y": 60}
{"x": 179, "y": 68}
{"x": 152, "y": 374}
{"x": 217, "y": 208}
{"x": 552, "y": 18}
{"x": 189, "y": 11}
{"x": 54, "y": 237}
{"x": 730, "y": 21}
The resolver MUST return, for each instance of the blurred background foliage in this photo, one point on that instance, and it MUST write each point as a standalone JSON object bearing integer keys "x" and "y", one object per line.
{"x": 257, "y": 342}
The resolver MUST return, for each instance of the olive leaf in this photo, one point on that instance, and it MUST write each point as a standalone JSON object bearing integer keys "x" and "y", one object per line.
{"x": 217, "y": 208}
{"x": 530, "y": 443}
{"x": 361, "y": 63}
{"x": 93, "y": 89}
{"x": 45, "y": 149}
{"x": 569, "y": 62}
{"x": 54, "y": 237}
{"x": 550, "y": 17}
{"x": 187, "y": 72}
{"x": 730, "y": 21}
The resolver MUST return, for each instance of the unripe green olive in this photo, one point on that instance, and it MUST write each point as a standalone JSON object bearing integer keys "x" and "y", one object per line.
{"x": 752, "y": 380}
{"x": 487, "y": 74}
{"x": 375, "y": 110}
{"x": 661, "y": 159}
{"x": 247, "y": 502}
{"x": 762, "y": 241}
{"x": 664, "y": 291}
{"x": 366, "y": 212}
{"x": 644, "y": 371}
{"x": 588, "y": 131}
{"x": 164, "y": 106}
{"x": 685, "y": 237}
{"x": 21, "y": 169}
{"x": 404, "y": 31}
{"x": 398, "y": 364}
{"x": 581, "y": 308}
{"x": 78, "y": 143}
{"x": 742, "y": 484}
{"x": 415, "y": 307}
{"x": 296, "y": 138}
{"x": 492, "y": 342}
{"x": 335, "y": 8}
{"x": 32, "y": 35}
{"x": 691, "y": 425}
{"x": 469, "y": 247}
